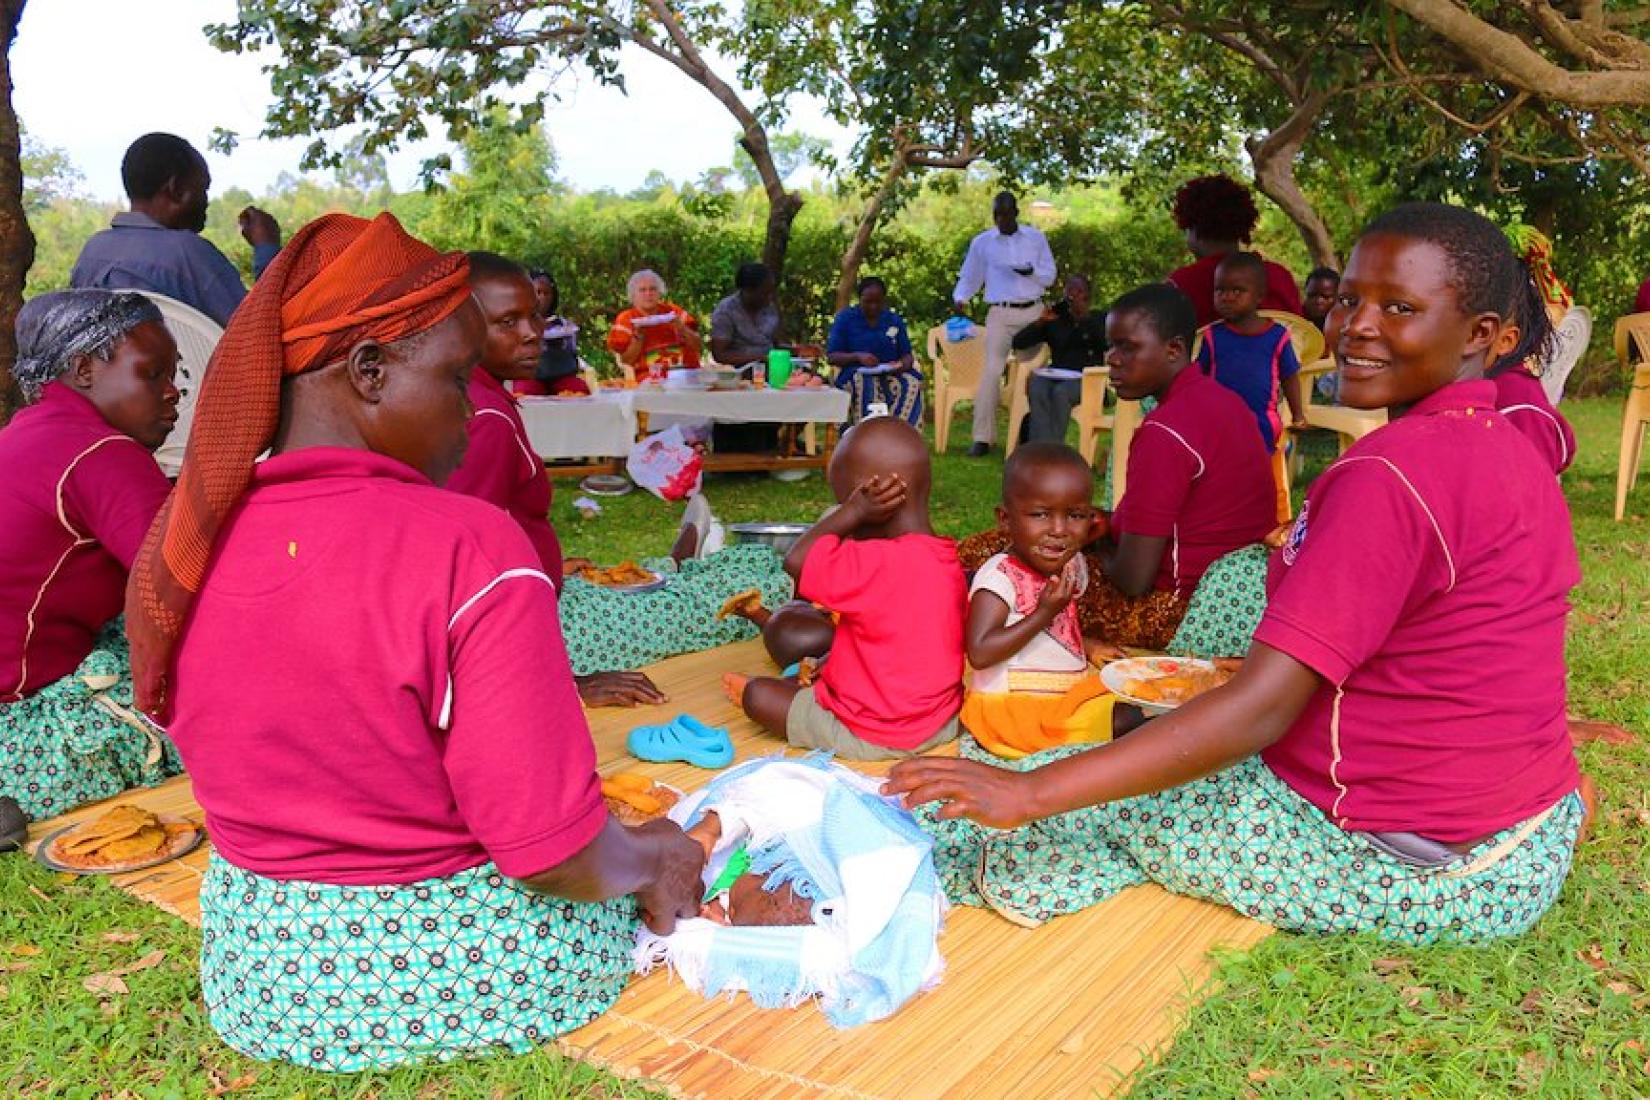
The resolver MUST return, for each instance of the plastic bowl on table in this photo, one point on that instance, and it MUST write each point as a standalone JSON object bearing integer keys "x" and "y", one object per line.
{"x": 689, "y": 379}
{"x": 780, "y": 536}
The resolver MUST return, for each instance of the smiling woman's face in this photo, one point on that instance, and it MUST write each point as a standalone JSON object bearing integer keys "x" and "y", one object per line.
{"x": 1398, "y": 329}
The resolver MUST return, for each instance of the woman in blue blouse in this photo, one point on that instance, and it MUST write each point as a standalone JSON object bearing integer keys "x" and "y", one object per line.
{"x": 872, "y": 351}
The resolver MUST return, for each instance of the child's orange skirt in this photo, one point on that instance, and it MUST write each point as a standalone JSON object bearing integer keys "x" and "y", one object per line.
{"x": 1012, "y": 724}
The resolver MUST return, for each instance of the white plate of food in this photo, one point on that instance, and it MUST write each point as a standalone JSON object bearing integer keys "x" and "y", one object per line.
{"x": 1157, "y": 685}
{"x": 124, "y": 838}
{"x": 627, "y": 576}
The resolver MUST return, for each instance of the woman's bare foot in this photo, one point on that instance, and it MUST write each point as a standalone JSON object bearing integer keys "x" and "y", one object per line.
{"x": 746, "y": 605}
{"x": 1589, "y": 807}
{"x": 733, "y": 686}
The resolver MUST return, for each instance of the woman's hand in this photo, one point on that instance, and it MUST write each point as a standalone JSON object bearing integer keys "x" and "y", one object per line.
{"x": 618, "y": 689}
{"x": 979, "y": 792}
{"x": 676, "y": 887}
{"x": 866, "y": 359}
{"x": 572, "y": 567}
{"x": 1101, "y": 652}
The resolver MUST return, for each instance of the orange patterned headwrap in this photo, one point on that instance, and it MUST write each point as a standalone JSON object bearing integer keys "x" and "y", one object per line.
{"x": 339, "y": 280}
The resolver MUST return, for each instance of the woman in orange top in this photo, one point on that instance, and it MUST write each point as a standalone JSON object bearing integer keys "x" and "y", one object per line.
{"x": 654, "y": 334}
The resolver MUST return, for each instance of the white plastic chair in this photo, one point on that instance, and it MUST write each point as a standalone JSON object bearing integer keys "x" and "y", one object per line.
{"x": 196, "y": 334}
{"x": 1569, "y": 343}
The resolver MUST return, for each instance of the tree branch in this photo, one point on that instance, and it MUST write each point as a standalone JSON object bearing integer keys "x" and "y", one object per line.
{"x": 1509, "y": 59}
{"x": 1557, "y": 30}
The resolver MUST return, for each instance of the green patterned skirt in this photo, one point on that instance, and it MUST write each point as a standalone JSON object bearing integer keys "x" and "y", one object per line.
{"x": 346, "y": 978}
{"x": 609, "y": 631}
{"x": 1242, "y": 838}
{"x": 1226, "y": 606}
{"x": 81, "y": 738}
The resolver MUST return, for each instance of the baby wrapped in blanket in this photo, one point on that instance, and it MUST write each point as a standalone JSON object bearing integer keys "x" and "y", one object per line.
{"x": 838, "y": 900}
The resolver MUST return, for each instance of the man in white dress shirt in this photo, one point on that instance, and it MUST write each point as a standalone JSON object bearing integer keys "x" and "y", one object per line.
{"x": 1012, "y": 263}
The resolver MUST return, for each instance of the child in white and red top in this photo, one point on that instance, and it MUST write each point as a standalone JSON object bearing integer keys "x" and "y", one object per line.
{"x": 1360, "y": 773}
{"x": 1031, "y": 686}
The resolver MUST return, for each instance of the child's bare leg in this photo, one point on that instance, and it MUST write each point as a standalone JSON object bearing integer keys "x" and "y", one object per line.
{"x": 797, "y": 630}
{"x": 766, "y": 700}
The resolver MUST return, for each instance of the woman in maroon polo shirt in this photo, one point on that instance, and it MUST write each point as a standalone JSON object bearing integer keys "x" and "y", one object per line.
{"x": 1360, "y": 774}
{"x": 81, "y": 487}
{"x": 1218, "y": 216}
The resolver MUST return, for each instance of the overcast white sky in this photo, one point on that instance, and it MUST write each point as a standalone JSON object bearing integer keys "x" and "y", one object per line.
{"x": 91, "y": 75}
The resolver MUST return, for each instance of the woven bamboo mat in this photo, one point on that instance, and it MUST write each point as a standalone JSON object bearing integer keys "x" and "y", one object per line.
{"x": 1069, "y": 1009}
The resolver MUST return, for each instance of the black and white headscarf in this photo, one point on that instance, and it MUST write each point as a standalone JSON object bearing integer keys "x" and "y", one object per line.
{"x": 54, "y": 328}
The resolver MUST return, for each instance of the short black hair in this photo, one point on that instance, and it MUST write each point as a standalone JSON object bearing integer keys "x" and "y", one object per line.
{"x": 1528, "y": 310}
{"x": 867, "y": 283}
{"x": 491, "y": 265}
{"x": 751, "y": 275}
{"x": 1247, "y": 263}
{"x": 1170, "y": 312}
{"x": 1041, "y": 454}
{"x": 1484, "y": 270}
{"x": 1005, "y": 196}
{"x": 1217, "y": 208}
{"x": 1324, "y": 273}
{"x": 153, "y": 160}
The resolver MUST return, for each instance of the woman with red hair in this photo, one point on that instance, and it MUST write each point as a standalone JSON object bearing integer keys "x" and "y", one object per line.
{"x": 412, "y": 858}
{"x": 1219, "y": 217}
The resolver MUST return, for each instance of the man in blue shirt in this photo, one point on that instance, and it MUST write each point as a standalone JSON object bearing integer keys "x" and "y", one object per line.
{"x": 157, "y": 246}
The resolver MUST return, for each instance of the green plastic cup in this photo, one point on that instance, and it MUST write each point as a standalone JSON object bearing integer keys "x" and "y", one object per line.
{"x": 779, "y": 368}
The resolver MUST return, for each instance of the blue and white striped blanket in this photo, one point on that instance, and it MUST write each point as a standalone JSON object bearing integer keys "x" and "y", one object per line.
{"x": 829, "y": 834}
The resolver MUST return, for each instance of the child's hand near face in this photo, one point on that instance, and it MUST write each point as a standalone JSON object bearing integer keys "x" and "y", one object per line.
{"x": 1056, "y": 595}
{"x": 877, "y": 499}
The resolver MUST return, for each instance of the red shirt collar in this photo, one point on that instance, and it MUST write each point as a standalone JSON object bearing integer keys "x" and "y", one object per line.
{"x": 484, "y": 378}
{"x": 1475, "y": 394}
{"x": 62, "y": 398}
{"x": 1188, "y": 376}
{"x": 312, "y": 463}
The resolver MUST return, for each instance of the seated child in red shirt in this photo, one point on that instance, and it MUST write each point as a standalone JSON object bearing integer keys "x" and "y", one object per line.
{"x": 1031, "y": 686}
{"x": 893, "y": 684}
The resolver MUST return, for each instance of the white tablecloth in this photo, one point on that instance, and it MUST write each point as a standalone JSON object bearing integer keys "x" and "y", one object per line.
{"x": 605, "y": 424}
{"x": 602, "y": 425}
{"x": 825, "y": 403}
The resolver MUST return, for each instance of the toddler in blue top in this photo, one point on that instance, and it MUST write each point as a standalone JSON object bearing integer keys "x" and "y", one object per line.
{"x": 1249, "y": 354}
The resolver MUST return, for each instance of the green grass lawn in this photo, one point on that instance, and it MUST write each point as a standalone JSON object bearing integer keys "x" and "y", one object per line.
{"x": 1559, "y": 1013}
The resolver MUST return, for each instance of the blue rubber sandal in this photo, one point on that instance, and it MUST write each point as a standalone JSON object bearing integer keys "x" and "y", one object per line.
{"x": 686, "y": 739}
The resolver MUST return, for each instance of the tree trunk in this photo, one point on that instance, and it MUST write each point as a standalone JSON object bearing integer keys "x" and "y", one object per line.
{"x": 782, "y": 211}
{"x": 1274, "y": 160}
{"x": 783, "y": 205}
{"x": 16, "y": 239}
{"x": 868, "y": 218}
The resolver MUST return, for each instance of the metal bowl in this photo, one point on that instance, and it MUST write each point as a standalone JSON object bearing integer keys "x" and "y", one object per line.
{"x": 780, "y": 536}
